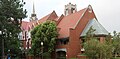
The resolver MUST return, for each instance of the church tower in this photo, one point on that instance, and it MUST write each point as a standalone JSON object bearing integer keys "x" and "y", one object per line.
{"x": 69, "y": 9}
{"x": 33, "y": 15}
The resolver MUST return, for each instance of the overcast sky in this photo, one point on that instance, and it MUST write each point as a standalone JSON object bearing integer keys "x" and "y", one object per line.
{"x": 107, "y": 11}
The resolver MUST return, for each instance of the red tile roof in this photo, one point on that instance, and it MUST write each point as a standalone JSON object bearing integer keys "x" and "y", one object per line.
{"x": 29, "y": 25}
{"x": 69, "y": 22}
{"x": 24, "y": 25}
{"x": 64, "y": 22}
{"x": 44, "y": 19}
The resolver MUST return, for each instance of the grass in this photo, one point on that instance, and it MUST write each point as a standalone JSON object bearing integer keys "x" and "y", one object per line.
{"x": 83, "y": 54}
{"x": 113, "y": 58}
{"x": 73, "y": 58}
{"x": 117, "y": 58}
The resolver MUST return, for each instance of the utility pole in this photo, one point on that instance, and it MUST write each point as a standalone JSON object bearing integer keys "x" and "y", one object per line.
{"x": 42, "y": 49}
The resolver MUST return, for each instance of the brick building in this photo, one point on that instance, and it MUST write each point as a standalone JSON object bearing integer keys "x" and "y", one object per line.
{"x": 72, "y": 27}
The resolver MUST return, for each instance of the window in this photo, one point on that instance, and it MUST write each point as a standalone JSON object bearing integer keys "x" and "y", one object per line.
{"x": 62, "y": 41}
{"x": 72, "y": 10}
{"x": 23, "y": 37}
{"x": 25, "y": 34}
{"x": 66, "y": 11}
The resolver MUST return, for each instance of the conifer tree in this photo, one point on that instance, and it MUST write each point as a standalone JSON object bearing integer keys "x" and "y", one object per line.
{"x": 11, "y": 15}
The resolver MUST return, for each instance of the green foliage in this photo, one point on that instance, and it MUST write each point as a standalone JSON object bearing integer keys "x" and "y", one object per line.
{"x": 90, "y": 34}
{"x": 116, "y": 58}
{"x": 116, "y": 43}
{"x": 92, "y": 48}
{"x": 11, "y": 14}
{"x": 46, "y": 33}
{"x": 95, "y": 49}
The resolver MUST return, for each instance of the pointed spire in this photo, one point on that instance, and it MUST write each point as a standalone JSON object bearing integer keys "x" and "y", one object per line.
{"x": 33, "y": 15}
{"x": 33, "y": 8}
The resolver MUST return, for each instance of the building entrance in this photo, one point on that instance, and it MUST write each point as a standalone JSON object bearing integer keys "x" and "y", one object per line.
{"x": 61, "y": 55}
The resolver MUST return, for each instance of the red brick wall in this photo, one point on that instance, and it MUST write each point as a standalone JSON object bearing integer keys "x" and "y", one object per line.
{"x": 74, "y": 44}
{"x": 24, "y": 44}
{"x": 61, "y": 46}
{"x": 74, "y": 41}
{"x": 102, "y": 39}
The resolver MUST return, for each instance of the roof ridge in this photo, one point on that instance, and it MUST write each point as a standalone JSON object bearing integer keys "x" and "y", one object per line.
{"x": 52, "y": 14}
{"x": 75, "y": 12}
{"x": 99, "y": 29}
{"x": 80, "y": 17}
{"x": 60, "y": 18}
{"x": 25, "y": 21}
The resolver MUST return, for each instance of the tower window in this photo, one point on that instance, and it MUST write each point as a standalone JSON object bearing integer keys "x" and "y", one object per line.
{"x": 66, "y": 11}
{"x": 72, "y": 10}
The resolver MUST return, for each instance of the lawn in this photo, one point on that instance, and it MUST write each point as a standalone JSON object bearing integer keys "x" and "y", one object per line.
{"x": 113, "y": 58}
{"x": 117, "y": 58}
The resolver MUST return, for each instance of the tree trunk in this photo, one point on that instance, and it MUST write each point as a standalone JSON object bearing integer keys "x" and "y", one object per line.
{"x": 115, "y": 55}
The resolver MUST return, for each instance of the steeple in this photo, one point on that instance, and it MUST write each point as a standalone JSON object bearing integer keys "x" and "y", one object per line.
{"x": 33, "y": 15}
{"x": 33, "y": 8}
{"x": 69, "y": 9}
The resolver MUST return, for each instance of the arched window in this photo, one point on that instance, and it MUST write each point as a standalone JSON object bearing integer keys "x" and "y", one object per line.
{"x": 73, "y": 10}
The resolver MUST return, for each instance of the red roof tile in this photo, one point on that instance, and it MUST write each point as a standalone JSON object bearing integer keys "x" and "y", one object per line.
{"x": 24, "y": 25}
{"x": 43, "y": 19}
{"x": 69, "y": 22}
{"x": 65, "y": 23}
{"x": 30, "y": 25}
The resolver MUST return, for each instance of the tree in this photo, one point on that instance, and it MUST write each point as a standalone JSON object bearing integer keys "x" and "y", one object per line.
{"x": 46, "y": 33}
{"x": 95, "y": 49}
{"x": 116, "y": 43}
{"x": 11, "y": 15}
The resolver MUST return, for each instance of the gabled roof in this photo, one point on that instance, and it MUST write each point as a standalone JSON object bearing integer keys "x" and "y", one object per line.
{"x": 24, "y": 25}
{"x": 69, "y": 22}
{"x": 51, "y": 16}
{"x": 99, "y": 29}
{"x": 64, "y": 23}
{"x": 43, "y": 19}
{"x": 29, "y": 25}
